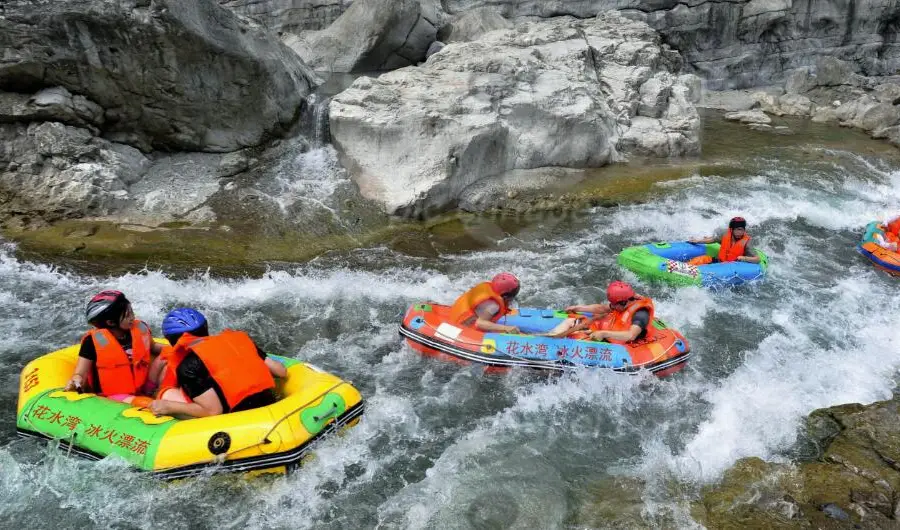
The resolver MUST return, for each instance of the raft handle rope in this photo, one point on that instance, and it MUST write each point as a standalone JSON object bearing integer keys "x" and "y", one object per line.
{"x": 218, "y": 459}
{"x": 547, "y": 361}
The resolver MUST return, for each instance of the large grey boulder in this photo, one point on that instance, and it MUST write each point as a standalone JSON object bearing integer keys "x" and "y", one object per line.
{"x": 745, "y": 43}
{"x": 168, "y": 74}
{"x": 562, "y": 92}
{"x": 371, "y": 35}
{"x": 290, "y": 16}
{"x": 53, "y": 171}
{"x": 470, "y": 25}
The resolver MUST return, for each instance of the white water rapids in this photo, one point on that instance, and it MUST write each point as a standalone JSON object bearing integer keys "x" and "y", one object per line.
{"x": 447, "y": 446}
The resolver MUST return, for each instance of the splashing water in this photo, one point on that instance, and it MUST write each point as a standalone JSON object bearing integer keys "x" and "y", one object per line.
{"x": 444, "y": 445}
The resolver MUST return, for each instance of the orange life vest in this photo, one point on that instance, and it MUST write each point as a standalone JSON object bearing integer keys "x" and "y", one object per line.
{"x": 891, "y": 230}
{"x": 173, "y": 356}
{"x": 463, "y": 310}
{"x": 118, "y": 374}
{"x": 232, "y": 361}
{"x": 622, "y": 320}
{"x": 731, "y": 250}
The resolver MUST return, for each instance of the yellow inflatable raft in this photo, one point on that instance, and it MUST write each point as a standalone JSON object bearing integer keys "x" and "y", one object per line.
{"x": 271, "y": 439}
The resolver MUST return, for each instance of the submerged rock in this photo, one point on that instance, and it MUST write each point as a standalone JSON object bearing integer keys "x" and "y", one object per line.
{"x": 749, "y": 116}
{"x": 563, "y": 92}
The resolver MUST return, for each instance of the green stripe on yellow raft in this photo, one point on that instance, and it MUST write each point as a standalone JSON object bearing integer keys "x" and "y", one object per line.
{"x": 99, "y": 425}
{"x": 106, "y": 427}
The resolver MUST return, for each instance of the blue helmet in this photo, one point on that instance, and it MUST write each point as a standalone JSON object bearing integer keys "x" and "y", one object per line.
{"x": 182, "y": 320}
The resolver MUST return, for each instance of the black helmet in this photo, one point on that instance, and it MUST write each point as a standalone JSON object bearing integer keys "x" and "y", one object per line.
{"x": 105, "y": 305}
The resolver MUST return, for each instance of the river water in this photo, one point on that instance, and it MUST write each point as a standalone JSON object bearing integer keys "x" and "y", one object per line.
{"x": 448, "y": 446}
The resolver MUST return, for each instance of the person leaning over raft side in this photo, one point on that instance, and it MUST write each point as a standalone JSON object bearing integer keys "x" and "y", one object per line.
{"x": 891, "y": 238}
{"x": 208, "y": 374}
{"x": 624, "y": 318}
{"x": 486, "y": 303}
{"x": 118, "y": 358}
{"x": 735, "y": 245}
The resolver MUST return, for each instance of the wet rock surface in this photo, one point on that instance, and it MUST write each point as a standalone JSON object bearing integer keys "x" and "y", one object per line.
{"x": 850, "y": 480}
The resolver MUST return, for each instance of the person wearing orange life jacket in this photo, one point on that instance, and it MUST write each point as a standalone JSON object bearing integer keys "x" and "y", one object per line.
{"x": 207, "y": 375}
{"x": 625, "y": 317}
{"x": 483, "y": 305}
{"x": 118, "y": 358}
{"x": 891, "y": 238}
{"x": 735, "y": 245}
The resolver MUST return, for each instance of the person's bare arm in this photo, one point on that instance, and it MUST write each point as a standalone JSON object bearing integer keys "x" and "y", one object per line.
{"x": 82, "y": 367}
{"x": 206, "y": 404}
{"x": 625, "y": 336}
{"x": 749, "y": 255}
{"x": 276, "y": 368}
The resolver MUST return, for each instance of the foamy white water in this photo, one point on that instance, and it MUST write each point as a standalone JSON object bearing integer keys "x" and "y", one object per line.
{"x": 447, "y": 446}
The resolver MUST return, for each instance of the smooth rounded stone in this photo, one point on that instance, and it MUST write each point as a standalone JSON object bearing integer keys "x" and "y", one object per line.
{"x": 168, "y": 74}
{"x": 562, "y": 92}
{"x": 435, "y": 47}
{"x": 372, "y": 35}
{"x": 472, "y": 24}
{"x": 749, "y": 116}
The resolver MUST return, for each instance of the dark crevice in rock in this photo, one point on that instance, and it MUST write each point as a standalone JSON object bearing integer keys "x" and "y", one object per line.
{"x": 851, "y": 18}
{"x": 396, "y": 51}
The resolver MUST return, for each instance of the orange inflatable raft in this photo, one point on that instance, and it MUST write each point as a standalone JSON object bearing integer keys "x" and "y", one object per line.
{"x": 425, "y": 327}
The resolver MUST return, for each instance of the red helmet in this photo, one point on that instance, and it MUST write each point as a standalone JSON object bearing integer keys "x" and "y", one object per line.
{"x": 618, "y": 292}
{"x": 505, "y": 284}
{"x": 737, "y": 222}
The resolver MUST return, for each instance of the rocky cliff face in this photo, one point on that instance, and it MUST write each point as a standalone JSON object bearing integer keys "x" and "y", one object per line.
{"x": 746, "y": 43}
{"x": 562, "y": 92}
{"x": 168, "y": 74}
{"x": 290, "y": 16}
{"x": 89, "y": 89}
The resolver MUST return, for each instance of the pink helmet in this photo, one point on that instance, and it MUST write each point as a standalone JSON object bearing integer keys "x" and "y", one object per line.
{"x": 618, "y": 292}
{"x": 505, "y": 284}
